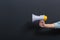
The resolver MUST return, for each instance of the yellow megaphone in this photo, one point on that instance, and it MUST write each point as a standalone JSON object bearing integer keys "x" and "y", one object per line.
{"x": 41, "y": 17}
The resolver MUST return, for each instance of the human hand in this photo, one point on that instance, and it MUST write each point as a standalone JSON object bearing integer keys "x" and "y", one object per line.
{"x": 42, "y": 24}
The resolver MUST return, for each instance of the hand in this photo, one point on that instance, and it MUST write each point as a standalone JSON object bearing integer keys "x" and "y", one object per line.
{"x": 42, "y": 24}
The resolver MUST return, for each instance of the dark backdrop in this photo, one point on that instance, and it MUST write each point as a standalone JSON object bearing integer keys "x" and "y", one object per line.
{"x": 14, "y": 14}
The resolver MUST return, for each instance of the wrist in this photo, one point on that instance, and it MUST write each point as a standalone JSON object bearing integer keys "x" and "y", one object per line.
{"x": 49, "y": 25}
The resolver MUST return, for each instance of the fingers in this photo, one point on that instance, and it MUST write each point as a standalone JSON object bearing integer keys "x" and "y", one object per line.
{"x": 41, "y": 23}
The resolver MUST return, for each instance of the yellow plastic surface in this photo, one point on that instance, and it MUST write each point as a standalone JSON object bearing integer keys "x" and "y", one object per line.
{"x": 45, "y": 18}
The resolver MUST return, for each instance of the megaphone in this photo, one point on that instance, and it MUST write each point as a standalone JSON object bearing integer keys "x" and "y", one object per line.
{"x": 41, "y": 17}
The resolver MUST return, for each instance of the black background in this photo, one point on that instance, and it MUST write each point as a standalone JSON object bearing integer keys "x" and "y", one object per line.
{"x": 14, "y": 14}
